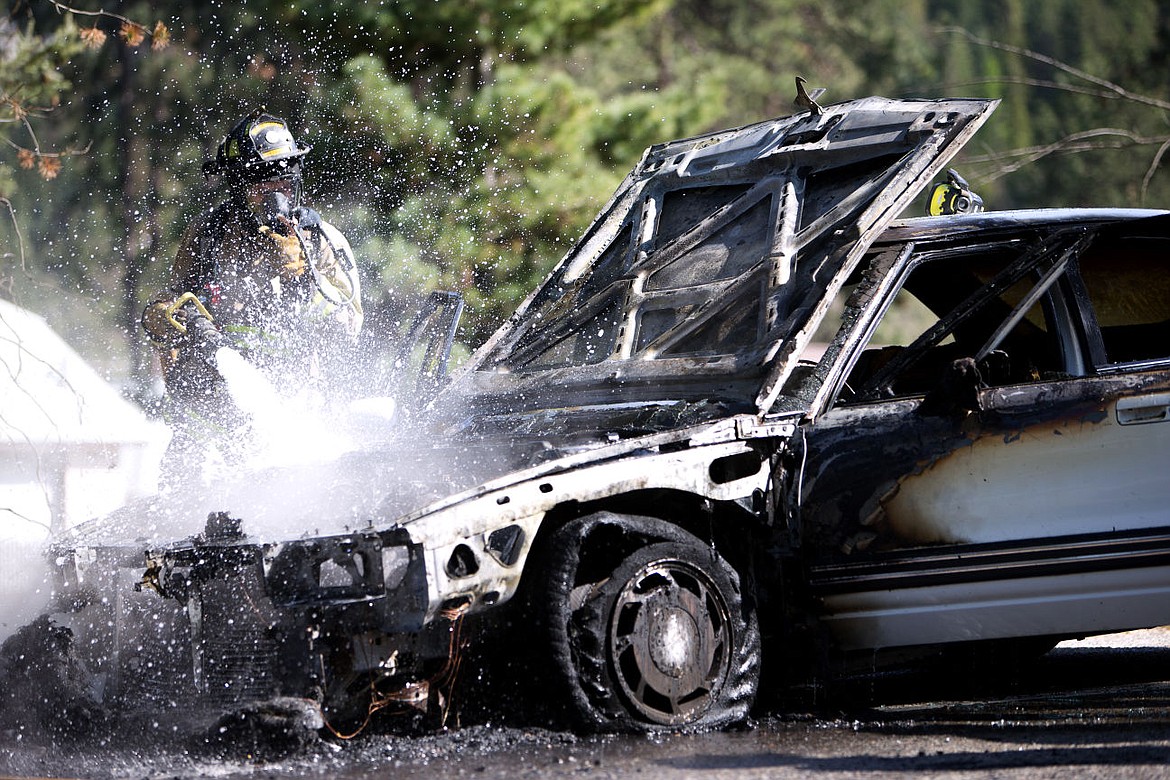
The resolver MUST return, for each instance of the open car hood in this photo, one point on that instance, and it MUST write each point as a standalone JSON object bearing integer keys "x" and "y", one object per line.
{"x": 708, "y": 271}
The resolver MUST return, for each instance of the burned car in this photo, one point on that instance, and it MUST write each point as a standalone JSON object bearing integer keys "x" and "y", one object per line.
{"x": 651, "y": 482}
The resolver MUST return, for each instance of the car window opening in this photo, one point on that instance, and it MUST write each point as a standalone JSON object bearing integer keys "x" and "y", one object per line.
{"x": 1128, "y": 285}
{"x": 952, "y": 307}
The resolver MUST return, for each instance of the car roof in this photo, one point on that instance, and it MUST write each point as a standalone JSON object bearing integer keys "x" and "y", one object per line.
{"x": 955, "y": 225}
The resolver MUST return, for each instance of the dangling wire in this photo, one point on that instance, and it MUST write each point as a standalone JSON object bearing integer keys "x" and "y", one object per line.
{"x": 444, "y": 678}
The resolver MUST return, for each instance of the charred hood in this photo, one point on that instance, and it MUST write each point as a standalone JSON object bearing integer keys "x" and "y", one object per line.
{"x": 700, "y": 280}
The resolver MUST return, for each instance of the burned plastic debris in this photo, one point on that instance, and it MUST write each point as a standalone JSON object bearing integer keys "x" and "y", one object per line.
{"x": 45, "y": 687}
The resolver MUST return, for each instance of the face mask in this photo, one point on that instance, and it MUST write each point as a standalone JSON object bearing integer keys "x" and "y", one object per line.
{"x": 267, "y": 202}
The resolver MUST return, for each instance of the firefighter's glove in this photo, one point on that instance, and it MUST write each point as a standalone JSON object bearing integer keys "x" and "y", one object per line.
{"x": 169, "y": 324}
{"x": 203, "y": 335}
{"x": 288, "y": 257}
{"x": 157, "y": 324}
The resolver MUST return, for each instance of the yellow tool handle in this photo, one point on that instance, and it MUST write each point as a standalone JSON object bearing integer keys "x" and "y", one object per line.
{"x": 179, "y": 303}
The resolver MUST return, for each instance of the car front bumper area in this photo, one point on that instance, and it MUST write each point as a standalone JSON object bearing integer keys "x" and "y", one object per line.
{"x": 217, "y": 622}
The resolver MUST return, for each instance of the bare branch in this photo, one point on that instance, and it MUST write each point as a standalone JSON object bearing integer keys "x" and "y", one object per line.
{"x": 133, "y": 32}
{"x": 1041, "y": 83}
{"x": 28, "y": 128}
{"x": 26, "y": 518}
{"x": 1077, "y": 142}
{"x": 1116, "y": 89}
{"x": 76, "y": 152}
{"x": 16, "y": 228}
{"x": 23, "y": 352}
{"x": 1088, "y": 140}
{"x": 1157, "y": 161}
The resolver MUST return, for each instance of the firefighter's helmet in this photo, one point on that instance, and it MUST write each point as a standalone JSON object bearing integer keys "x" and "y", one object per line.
{"x": 260, "y": 147}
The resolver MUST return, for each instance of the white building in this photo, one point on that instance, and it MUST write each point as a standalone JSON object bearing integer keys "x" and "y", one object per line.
{"x": 71, "y": 448}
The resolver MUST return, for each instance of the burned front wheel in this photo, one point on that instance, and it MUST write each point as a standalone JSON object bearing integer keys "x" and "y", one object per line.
{"x": 668, "y": 635}
{"x": 661, "y": 641}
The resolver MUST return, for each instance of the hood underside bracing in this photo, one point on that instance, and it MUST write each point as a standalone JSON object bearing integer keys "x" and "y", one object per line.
{"x": 708, "y": 271}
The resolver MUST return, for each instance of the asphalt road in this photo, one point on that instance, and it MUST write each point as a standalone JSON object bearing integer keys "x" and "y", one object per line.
{"x": 1097, "y": 708}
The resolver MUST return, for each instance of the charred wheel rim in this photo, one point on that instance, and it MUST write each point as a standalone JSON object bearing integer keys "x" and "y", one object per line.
{"x": 670, "y": 641}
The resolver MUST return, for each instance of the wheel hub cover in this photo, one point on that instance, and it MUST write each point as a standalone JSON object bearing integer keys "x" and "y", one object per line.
{"x": 669, "y": 632}
{"x": 673, "y": 639}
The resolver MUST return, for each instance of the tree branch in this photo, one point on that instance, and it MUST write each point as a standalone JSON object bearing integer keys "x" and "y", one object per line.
{"x": 1157, "y": 161}
{"x": 1112, "y": 90}
{"x": 19, "y": 245}
{"x": 1070, "y": 144}
{"x": 132, "y": 31}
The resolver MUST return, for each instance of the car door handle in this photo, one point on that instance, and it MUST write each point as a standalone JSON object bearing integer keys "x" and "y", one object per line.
{"x": 1139, "y": 409}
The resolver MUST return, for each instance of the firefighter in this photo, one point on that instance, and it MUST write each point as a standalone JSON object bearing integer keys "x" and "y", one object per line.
{"x": 260, "y": 274}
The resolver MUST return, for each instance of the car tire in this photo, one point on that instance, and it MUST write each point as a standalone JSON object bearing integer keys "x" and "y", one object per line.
{"x": 663, "y": 641}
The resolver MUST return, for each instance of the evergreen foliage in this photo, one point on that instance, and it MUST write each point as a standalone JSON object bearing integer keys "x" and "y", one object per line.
{"x": 466, "y": 145}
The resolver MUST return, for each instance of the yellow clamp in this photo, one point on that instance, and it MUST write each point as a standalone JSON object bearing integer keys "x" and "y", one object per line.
{"x": 179, "y": 303}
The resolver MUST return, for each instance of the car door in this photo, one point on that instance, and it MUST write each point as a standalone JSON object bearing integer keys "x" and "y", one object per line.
{"x": 994, "y": 475}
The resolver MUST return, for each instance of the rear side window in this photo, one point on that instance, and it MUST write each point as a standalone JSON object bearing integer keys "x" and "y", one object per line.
{"x": 1128, "y": 285}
